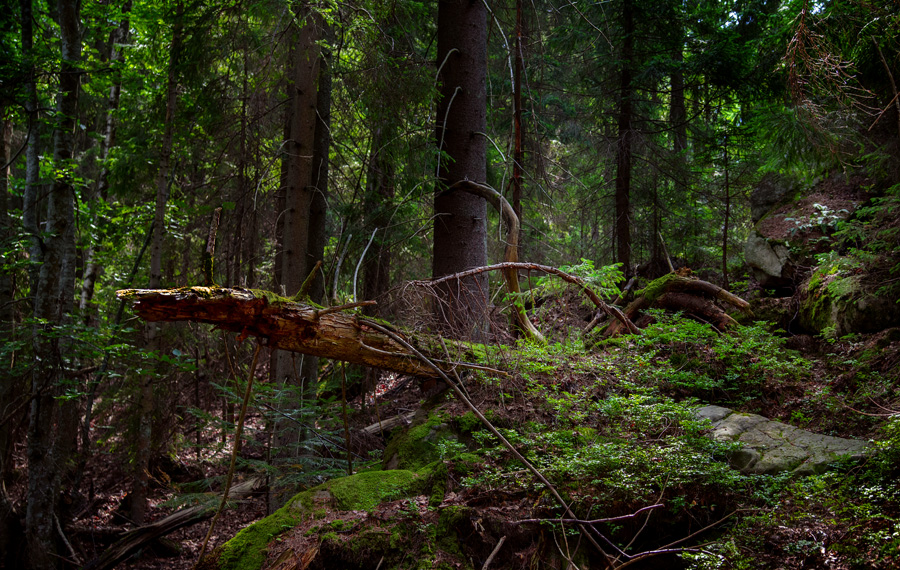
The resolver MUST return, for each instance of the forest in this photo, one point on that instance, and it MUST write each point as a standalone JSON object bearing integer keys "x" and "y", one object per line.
{"x": 364, "y": 284}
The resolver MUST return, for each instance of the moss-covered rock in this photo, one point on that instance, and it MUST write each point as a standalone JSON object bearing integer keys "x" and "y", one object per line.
{"x": 417, "y": 446}
{"x": 359, "y": 492}
{"x": 835, "y": 302}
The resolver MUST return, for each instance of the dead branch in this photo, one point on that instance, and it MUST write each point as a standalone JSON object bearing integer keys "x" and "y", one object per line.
{"x": 139, "y": 537}
{"x": 567, "y": 277}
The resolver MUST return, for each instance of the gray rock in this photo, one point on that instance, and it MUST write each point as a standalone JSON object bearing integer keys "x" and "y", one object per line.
{"x": 768, "y": 193}
{"x": 770, "y": 446}
{"x": 771, "y": 263}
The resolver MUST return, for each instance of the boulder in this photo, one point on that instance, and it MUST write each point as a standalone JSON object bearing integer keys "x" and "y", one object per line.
{"x": 770, "y": 446}
{"x": 771, "y": 191}
{"x": 770, "y": 262}
{"x": 834, "y": 303}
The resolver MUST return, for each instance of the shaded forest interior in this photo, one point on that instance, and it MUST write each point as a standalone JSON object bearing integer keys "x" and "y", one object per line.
{"x": 461, "y": 258}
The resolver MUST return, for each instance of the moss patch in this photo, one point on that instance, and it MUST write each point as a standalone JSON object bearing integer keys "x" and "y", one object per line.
{"x": 247, "y": 550}
{"x": 364, "y": 491}
{"x": 417, "y": 447}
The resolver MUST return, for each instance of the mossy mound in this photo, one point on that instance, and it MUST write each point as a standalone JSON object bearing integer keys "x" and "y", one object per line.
{"x": 360, "y": 492}
{"x": 835, "y": 302}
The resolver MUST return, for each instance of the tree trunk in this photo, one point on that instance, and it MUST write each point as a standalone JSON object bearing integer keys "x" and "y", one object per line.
{"x": 282, "y": 324}
{"x": 53, "y": 422}
{"x": 92, "y": 268}
{"x": 146, "y": 402}
{"x": 303, "y": 232}
{"x": 727, "y": 216}
{"x": 624, "y": 146}
{"x": 460, "y": 228}
{"x": 378, "y": 203}
{"x": 11, "y": 387}
{"x": 31, "y": 205}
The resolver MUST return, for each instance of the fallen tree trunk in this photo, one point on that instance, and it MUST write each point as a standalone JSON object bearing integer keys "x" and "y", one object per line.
{"x": 135, "y": 539}
{"x": 284, "y": 324}
{"x": 676, "y": 292}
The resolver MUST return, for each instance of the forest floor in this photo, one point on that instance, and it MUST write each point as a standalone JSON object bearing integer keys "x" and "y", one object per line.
{"x": 850, "y": 386}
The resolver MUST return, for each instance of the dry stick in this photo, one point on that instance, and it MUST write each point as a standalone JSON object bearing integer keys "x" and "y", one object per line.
{"x": 669, "y": 548}
{"x": 493, "y": 553}
{"x": 359, "y": 263}
{"x": 339, "y": 308}
{"x": 493, "y": 430}
{"x": 234, "y": 453}
{"x": 595, "y": 521}
{"x": 600, "y": 314}
{"x": 666, "y": 251}
{"x": 567, "y": 277}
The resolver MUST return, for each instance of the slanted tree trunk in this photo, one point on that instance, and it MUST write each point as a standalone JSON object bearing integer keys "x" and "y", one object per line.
{"x": 53, "y": 420}
{"x": 460, "y": 228}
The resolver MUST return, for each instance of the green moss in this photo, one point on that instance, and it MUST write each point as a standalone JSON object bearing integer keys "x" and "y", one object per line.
{"x": 417, "y": 446}
{"x": 656, "y": 288}
{"x": 247, "y": 550}
{"x": 270, "y": 297}
{"x": 364, "y": 491}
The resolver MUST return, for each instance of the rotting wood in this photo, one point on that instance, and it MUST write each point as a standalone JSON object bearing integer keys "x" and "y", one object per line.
{"x": 283, "y": 324}
{"x": 677, "y": 292}
{"x": 389, "y": 423}
{"x": 137, "y": 538}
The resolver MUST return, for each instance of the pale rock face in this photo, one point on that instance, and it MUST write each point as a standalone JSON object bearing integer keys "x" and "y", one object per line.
{"x": 770, "y": 263}
{"x": 770, "y": 446}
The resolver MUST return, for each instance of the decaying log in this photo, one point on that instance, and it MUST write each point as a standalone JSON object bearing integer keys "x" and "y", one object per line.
{"x": 135, "y": 539}
{"x": 677, "y": 292}
{"x": 386, "y": 425}
{"x": 282, "y": 323}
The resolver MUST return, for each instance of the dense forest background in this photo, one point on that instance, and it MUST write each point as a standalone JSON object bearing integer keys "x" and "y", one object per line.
{"x": 630, "y": 137}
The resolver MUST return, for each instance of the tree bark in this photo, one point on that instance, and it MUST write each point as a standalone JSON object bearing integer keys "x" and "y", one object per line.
{"x": 284, "y": 324}
{"x": 53, "y": 421}
{"x": 146, "y": 403}
{"x": 31, "y": 205}
{"x": 460, "y": 228}
{"x": 93, "y": 268}
{"x": 303, "y": 230}
{"x": 624, "y": 146}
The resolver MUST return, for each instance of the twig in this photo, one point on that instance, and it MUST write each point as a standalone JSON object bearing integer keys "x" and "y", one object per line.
{"x": 234, "y": 452}
{"x": 65, "y": 540}
{"x": 595, "y": 521}
{"x": 337, "y": 268}
{"x": 666, "y": 251}
{"x": 493, "y": 553}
